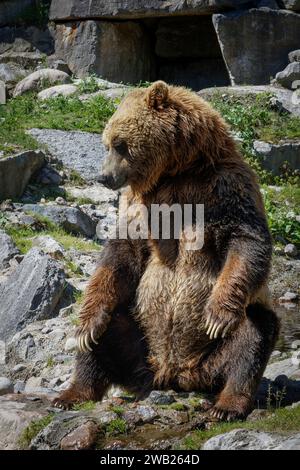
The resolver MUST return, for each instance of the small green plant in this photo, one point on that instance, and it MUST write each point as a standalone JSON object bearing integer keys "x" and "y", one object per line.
{"x": 31, "y": 431}
{"x": 178, "y": 406}
{"x": 116, "y": 426}
{"x": 50, "y": 362}
{"x": 85, "y": 406}
{"x": 89, "y": 84}
{"x": 119, "y": 410}
{"x": 76, "y": 179}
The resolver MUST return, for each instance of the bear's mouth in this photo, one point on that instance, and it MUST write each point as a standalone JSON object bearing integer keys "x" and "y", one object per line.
{"x": 112, "y": 182}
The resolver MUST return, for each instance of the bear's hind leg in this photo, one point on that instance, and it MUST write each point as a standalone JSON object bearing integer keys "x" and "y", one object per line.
{"x": 239, "y": 361}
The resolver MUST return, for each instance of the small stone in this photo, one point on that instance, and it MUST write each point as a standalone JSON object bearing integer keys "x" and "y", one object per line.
{"x": 6, "y": 386}
{"x": 275, "y": 354}
{"x": 295, "y": 359}
{"x": 291, "y": 250}
{"x": 82, "y": 438}
{"x": 19, "y": 367}
{"x": 34, "y": 384}
{"x": 60, "y": 200}
{"x": 106, "y": 417}
{"x": 71, "y": 345}
{"x": 161, "y": 398}
{"x": 296, "y": 344}
{"x": 19, "y": 386}
{"x": 288, "y": 297}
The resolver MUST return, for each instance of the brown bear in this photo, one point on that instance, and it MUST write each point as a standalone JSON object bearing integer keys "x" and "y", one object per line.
{"x": 155, "y": 314}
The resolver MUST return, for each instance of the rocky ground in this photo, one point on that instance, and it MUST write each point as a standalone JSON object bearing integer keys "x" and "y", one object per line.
{"x": 47, "y": 254}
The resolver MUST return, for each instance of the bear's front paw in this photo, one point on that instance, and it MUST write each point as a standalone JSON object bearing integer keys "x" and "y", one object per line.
{"x": 220, "y": 321}
{"x": 90, "y": 330}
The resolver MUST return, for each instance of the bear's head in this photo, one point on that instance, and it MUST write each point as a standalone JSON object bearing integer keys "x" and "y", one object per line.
{"x": 157, "y": 132}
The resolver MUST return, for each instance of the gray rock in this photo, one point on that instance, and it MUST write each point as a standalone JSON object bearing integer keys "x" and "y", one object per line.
{"x": 6, "y": 386}
{"x": 58, "y": 90}
{"x": 273, "y": 156}
{"x": 31, "y": 293}
{"x": 19, "y": 386}
{"x": 291, "y": 4}
{"x": 15, "y": 416}
{"x": 284, "y": 367}
{"x": 19, "y": 367}
{"x": 15, "y": 172}
{"x": 244, "y": 439}
{"x": 288, "y": 77}
{"x": 252, "y": 37}
{"x": 124, "y": 9}
{"x": 296, "y": 344}
{"x": 79, "y": 151}
{"x": 71, "y": 219}
{"x": 114, "y": 51}
{"x": 71, "y": 345}
{"x": 7, "y": 250}
{"x": 36, "y": 80}
{"x": 291, "y": 250}
{"x": 2, "y": 92}
{"x": 112, "y": 93}
{"x": 24, "y": 60}
{"x": 295, "y": 359}
{"x": 54, "y": 63}
{"x": 289, "y": 297}
{"x": 11, "y": 73}
{"x": 22, "y": 39}
{"x": 49, "y": 246}
{"x": 48, "y": 176}
{"x": 161, "y": 398}
{"x": 294, "y": 56}
{"x": 97, "y": 193}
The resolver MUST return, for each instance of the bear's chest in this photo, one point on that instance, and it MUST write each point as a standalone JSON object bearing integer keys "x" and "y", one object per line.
{"x": 173, "y": 294}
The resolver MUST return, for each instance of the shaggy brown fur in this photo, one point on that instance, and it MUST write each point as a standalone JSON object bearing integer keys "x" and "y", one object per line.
{"x": 168, "y": 317}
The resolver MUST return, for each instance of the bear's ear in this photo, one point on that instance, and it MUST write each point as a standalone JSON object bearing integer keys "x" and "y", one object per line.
{"x": 157, "y": 95}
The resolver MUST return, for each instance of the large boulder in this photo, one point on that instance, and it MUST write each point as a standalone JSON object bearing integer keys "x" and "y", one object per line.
{"x": 7, "y": 250}
{"x": 290, "y": 76}
{"x": 136, "y": 8}
{"x": 71, "y": 219}
{"x": 15, "y": 172}
{"x": 294, "y": 56}
{"x": 115, "y": 51}
{"x": 253, "y": 45}
{"x": 11, "y": 73}
{"x": 31, "y": 292}
{"x": 58, "y": 90}
{"x": 36, "y": 80}
{"x": 273, "y": 156}
{"x": 26, "y": 39}
{"x": 246, "y": 439}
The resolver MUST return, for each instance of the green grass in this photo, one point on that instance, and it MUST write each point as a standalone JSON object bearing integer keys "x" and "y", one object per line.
{"x": 86, "y": 406}
{"x": 50, "y": 362}
{"x": 178, "y": 406}
{"x": 281, "y": 208}
{"x": 119, "y": 410}
{"x": 70, "y": 114}
{"x": 281, "y": 421}
{"x": 31, "y": 431}
{"x": 254, "y": 119}
{"x": 116, "y": 426}
{"x": 23, "y": 238}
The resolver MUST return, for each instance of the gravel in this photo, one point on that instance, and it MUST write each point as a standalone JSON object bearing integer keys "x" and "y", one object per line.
{"x": 79, "y": 151}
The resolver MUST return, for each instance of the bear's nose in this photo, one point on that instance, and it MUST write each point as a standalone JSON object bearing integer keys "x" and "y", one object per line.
{"x": 105, "y": 180}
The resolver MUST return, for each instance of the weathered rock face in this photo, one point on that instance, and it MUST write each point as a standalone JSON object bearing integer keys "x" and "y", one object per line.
{"x": 126, "y": 9}
{"x": 244, "y": 439}
{"x": 21, "y": 39}
{"x": 15, "y": 172}
{"x": 115, "y": 51}
{"x": 31, "y": 292}
{"x": 273, "y": 156}
{"x": 253, "y": 37}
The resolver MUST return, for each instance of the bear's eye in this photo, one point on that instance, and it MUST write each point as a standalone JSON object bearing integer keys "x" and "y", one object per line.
{"x": 121, "y": 148}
